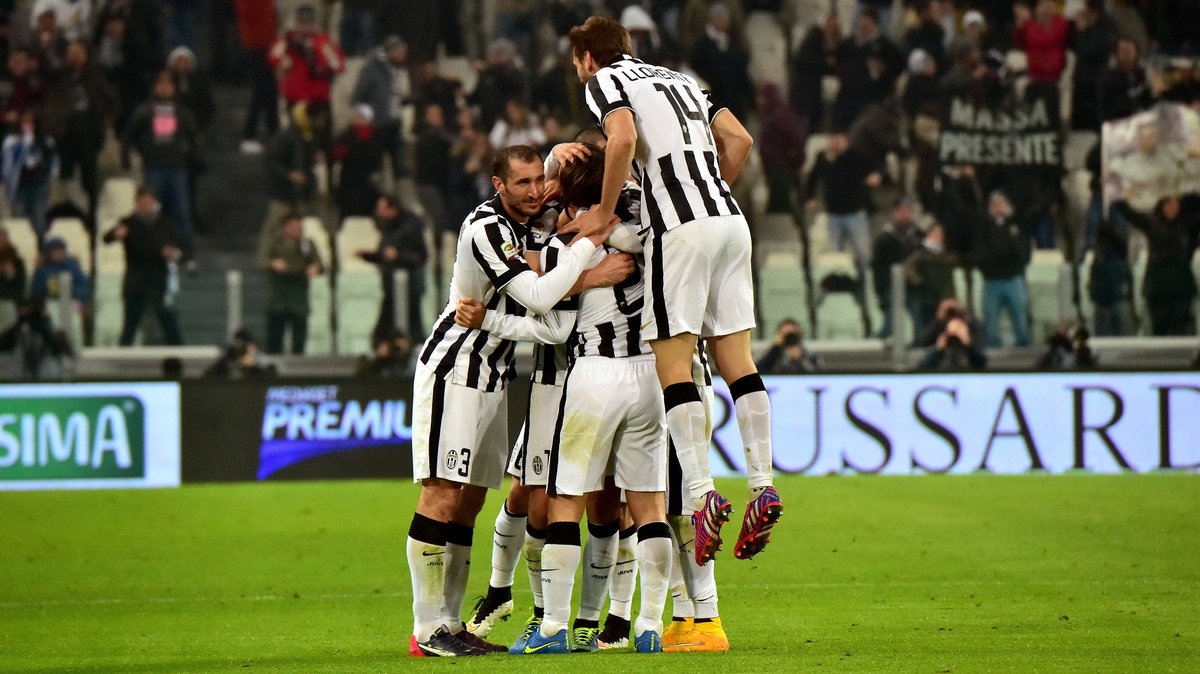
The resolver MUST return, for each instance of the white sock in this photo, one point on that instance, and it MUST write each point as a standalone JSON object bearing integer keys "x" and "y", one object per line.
{"x": 623, "y": 580}
{"x": 681, "y": 601}
{"x": 507, "y": 538}
{"x": 654, "y": 550}
{"x": 700, "y": 581}
{"x": 535, "y": 541}
{"x": 599, "y": 555}
{"x": 754, "y": 420}
{"x": 458, "y": 567}
{"x": 426, "y": 552}
{"x": 687, "y": 421}
{"x": 560, "y": 560}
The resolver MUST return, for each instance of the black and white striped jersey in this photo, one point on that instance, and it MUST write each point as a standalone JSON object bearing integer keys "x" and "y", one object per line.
{"x": 490, "y": 267}
{"x": 676, "y": 155}
{"x": 610, "y": 319}
{"x": 550, "y": 360}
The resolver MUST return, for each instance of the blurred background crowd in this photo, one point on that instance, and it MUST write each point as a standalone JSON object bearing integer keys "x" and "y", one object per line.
{"x": 928, "y": 171}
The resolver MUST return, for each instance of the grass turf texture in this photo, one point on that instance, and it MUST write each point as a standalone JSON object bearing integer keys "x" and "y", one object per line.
{"x": 925, "y": 574}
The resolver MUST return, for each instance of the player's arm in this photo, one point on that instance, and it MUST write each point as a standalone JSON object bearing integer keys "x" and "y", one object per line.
{"x": 553, "y": 327}
{"x": 733, "y": 145}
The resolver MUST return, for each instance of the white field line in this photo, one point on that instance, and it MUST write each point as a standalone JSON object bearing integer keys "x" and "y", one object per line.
{"x": 932, "y": 584}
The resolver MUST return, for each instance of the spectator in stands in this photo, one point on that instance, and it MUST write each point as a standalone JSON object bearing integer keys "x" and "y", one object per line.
{"x": 929, "y": 273}
{"x": 1125, "y": 88}
{"x": 842, "y": 176}
{"x": 38, "y": 349}
{"x": 1111, "y": 278}
{"x": 1093, "y": 40}
{"x": 927, "y": 35}
{"x": 695, "y": 16}
{"x": 129, "y": 83}
{"x": 1169, "y": 285}
{"x": 73, "y": 17}
{"x": 28, "y": 164}
{"x": 13, "y": 276}
{"x": 783, "y": 157}
{"x": 519, "y": 127}
{"x": 558, "y": 91}
{"x": 955, "y": 349}
{"x": 816, "y": 58}
{"x": 434, "y": 88}
{"x": 80, "y": 106}
{"x": 383, "y": 84}
{"x": 898, "y": 241}
{"x": 975, "y": 31}
{"x": 1042, "y": 33}
{"x": 391, "y": 360}
{"x": 307, "y": 60}
{"x": 243, "y": 360}
{"x": 922, "y": 91}
{"x": 21, "y": 88}
{"x": 291, "y": 180}
{"x": 257, "y": 32}
{"x": 360, "y": 154}
{"x": 721, "y": 59}
{"x": 49, "y": 42}
{"x": 141, "y": 40}
{"x": 152, "y": 251}
{"x": 294, "y": 262}
{"x": 1001, "y": 252}
{"x": 499, "y": 80}
{"x": 192, "y": 89}
{"x": 867, "y": 67}
{"x": 787, "y": 354}
{"x": 55, "y": 263}
{"x": 357, "y": 29}
{"x": 470, "y": 160}
{"x": 165, "y": 135}
{"x": 433, "y": 147}
{"x": 643, "y": 33}
{"x": 1067, "y": 349}
{"x": 1152, "y": 171}
{"x": 401, "y": 247}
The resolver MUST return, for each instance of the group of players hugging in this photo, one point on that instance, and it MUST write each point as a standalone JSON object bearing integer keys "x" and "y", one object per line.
{"x": 624, "y": 258}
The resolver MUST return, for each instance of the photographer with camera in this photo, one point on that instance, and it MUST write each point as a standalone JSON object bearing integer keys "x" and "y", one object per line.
{"x": 243, "y": 360}
{"x": 38, "y": 349}
{"x": 955, "y": 348}
{"x": 1068, "y": 350}
{"x": 788, "y": 354}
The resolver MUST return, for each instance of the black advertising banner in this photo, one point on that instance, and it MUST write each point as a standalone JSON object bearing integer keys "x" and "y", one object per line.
{"x": 1023, "y": 133}
{"x": 302, "y": 429}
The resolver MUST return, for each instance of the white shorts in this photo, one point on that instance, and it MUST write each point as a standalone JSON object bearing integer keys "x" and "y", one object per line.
{"x": 698, "y": 279}
{"x": 678, "y": 501}
{"x": 459, "y": 433}
{"x": 611, "y": 422}
{"x": 530, "y": 460}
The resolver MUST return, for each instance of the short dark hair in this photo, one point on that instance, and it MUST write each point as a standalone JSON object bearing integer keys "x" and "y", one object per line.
{"x": 289, "y": 216}
{"x": 604, "y": 38}
{"x": 502, "y": 160}
{"x": 392, "y": 202}
{"x": 143, "y": 191}
{"x": 582, "y": 180}
{"x": 871, "y": 13}
{"x": 590, "y": 134}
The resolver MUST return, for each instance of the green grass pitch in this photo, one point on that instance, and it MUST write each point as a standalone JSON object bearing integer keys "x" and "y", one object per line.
{"x": 922, "y": 574}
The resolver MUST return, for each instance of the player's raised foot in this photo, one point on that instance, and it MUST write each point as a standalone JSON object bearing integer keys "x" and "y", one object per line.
{"x": 552, "y": 645}
{"x": 761, "y": 515}
{"x": 584, "y": 637}
{"x": 490, "y": 610}
{"x": 707, "y": 635}
{"x": 444, "y": 644}
{"x": 648, "y": 642}
{"x": 615, "y": 633}
{"x": 708, "y": 519}
{"x": 532, "y": 625}
{"x": 677, "y": 635}
{"x": 474, "y": 641}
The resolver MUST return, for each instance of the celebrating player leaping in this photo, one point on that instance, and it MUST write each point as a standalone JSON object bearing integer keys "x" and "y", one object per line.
{"x": 686, "y": 150}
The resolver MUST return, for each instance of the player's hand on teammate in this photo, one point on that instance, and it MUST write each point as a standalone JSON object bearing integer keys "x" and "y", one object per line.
{"x": 613, "y": 269}
{"x": 469, "y": 313}
{"x": 592, "y": 225}
{"x": 550, "y": 191}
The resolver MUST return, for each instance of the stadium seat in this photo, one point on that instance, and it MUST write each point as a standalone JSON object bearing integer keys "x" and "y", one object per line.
{"x": 768, "y": 50}
{"x": 1044, "y": 276}
{"x": 358, "y": 287}
{"x": 320, "y": 334}
{"x": 23, "y": 238}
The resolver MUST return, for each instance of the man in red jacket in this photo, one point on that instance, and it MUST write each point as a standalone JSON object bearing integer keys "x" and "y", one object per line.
{"x": 258, "y": 30}
{"x": 1043, "y": 35}
{"x": 307, "y": 60}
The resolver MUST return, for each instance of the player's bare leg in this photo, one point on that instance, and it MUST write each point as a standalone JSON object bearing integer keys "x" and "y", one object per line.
{"x": 687, "y": 422}
{"x": 753, "y": 407}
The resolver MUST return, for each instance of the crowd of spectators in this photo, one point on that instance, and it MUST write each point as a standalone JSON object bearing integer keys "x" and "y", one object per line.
{"x": 80, "y": 70}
